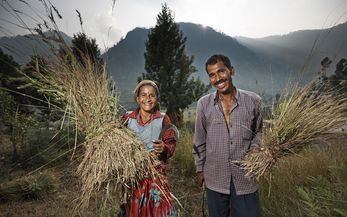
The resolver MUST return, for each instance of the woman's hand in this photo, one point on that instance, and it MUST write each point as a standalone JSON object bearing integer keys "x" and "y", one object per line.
{"x": 158, "y": 146}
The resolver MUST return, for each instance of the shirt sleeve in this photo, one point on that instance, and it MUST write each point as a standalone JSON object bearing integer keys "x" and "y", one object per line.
{"x": 199, "y": 146}
{"x": 124, "y": 119}
{"x": 257, "y": 125}
{"x": 169, "y": 139}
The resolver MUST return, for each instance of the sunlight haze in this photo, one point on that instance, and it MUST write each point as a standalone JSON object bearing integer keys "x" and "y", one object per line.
{"x": 249, "y": 18}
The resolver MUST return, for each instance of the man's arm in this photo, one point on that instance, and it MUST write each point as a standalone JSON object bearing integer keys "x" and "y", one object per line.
{"x": 257, "y": 125}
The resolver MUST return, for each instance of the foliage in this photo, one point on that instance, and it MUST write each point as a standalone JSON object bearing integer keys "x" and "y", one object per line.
{"x": 183, "y": 157}
{"x": 32, "y": 187}
{"x": 43, "y": 146}
{"x": 310, "y": 184}
{"x": 7, "y": 107}
{"x": 8, "y": 68}
{"x": 84, "y": 47}
{"x": 16, "y": 123}
{"x": 9, "y": 72}
{"x": 336, "y": 82}
{"x": 170, "y": 67}
{"x": 339, "y": 78}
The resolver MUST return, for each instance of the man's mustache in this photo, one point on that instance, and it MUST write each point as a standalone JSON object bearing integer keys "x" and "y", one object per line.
{"x": 220, "y": 81}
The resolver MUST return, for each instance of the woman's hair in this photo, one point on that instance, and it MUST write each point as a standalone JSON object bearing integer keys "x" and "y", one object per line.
{"x": 144, "y": 83}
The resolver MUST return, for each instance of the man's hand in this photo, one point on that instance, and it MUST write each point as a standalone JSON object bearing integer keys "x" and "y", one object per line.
{"x": 200, "y": 178}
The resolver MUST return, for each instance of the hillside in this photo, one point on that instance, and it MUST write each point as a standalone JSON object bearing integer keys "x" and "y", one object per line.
{"x": 21, "y": 47}
{"x": 264, "y": 65}
{"x": 126, "y": 59}
{"x": 302, "y": 48}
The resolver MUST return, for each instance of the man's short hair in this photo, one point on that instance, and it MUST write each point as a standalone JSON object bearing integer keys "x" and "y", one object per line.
{"x": 218, "y": 57}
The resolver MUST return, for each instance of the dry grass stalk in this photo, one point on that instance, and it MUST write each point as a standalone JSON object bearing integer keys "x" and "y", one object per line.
{"x": 112, "y": 155}
{"x": 297, "y": 120}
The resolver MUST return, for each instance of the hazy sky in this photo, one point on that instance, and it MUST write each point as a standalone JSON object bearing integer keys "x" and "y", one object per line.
{"x": 250, "y": 18}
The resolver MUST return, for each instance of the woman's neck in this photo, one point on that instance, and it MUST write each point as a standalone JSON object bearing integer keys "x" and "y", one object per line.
{"x": 145, "y": 116}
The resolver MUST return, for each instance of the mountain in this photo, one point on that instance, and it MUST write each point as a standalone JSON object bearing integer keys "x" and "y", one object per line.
{"x": 125, "y": 61}
{"x": 21, "y": 47}
{"x": 302, "y": 49}
{"x": 262, "y": 65}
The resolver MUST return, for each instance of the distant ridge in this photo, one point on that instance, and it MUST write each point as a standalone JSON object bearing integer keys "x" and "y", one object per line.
{"x": 21, "y": 47}
{"x": 264, "y": 65}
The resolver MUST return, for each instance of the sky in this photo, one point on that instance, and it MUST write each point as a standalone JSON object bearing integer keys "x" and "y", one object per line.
{"x": 249, "y": 18}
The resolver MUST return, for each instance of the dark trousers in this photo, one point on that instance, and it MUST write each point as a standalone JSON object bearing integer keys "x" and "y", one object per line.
{"x": 241, "y": 205}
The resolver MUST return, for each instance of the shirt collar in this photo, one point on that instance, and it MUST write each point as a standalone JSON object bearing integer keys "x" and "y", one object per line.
{"x": 136, "y": 113}
{"x": 216, "y": 96}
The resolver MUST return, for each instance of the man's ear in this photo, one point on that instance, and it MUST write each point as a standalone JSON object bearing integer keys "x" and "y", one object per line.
{"x": 232, "y": 70}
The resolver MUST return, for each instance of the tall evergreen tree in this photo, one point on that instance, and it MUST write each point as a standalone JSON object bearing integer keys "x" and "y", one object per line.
{"x": 170, "y": 67}
{"x": 339, "y": 79}
{"x": 10, "y": 77}
{"x": 8, "y": 69}
{"x": 85, "y": 47}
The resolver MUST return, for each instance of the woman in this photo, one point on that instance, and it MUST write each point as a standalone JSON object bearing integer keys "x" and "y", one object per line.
{"x": 153, "y": 197}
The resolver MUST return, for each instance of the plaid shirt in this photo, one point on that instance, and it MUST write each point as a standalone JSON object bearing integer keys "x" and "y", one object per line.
{"x": 216, "y": 145}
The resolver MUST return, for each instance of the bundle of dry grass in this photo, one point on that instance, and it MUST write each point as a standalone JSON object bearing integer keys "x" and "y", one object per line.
{"x": 112, "y": 155}
{"x": 299, "y": 118}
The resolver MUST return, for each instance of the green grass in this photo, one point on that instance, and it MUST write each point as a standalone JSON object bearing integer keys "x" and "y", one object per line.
{"x": 33, "y": 187}
{"x": 309, "y": 184}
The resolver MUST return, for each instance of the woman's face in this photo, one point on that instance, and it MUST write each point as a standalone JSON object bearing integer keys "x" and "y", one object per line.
{"x": 147, "y": 98}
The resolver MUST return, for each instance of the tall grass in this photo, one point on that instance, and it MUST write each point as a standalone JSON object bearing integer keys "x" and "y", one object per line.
{"x": 299, "y": 119}
{"x": 182, "y": 174}
{"x": 310, "y": 184}
{"x": 112, "y": 156}
{"x": 183, "y": 157}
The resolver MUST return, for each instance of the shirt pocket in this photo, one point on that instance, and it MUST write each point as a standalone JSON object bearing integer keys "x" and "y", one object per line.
{"x": 245, "y": 129}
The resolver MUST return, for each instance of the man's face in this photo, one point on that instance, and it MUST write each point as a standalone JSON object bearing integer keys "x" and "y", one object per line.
{"x": 220, "y": 76}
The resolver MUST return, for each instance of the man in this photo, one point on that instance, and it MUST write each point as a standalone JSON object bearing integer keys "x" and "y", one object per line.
{"x": 228, "y": 123}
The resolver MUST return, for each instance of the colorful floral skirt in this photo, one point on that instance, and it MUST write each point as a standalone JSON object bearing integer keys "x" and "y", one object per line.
{"x": 152, "y": 199}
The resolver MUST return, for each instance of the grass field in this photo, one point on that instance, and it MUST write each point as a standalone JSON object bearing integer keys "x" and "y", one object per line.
{"x": 310, "y": 184}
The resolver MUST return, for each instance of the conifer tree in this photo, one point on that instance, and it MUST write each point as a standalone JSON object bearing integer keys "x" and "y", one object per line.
{"x": 170, "y": 67}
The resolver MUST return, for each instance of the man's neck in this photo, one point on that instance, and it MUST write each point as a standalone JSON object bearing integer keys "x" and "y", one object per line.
{"x": 227, "y": 95}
